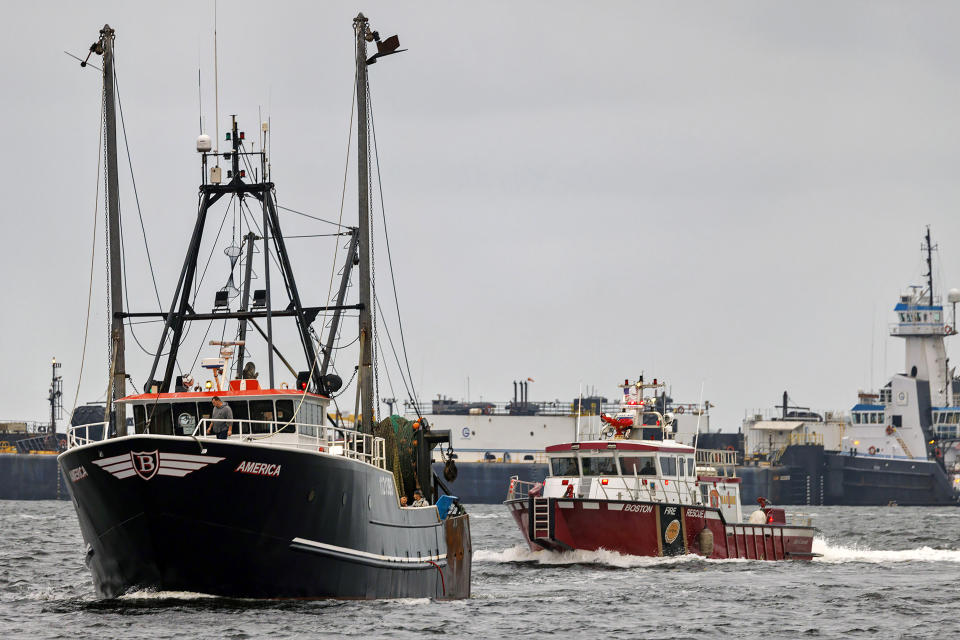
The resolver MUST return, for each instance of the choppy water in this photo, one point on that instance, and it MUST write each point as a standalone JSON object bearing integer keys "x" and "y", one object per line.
{"x": 885, "y": 572}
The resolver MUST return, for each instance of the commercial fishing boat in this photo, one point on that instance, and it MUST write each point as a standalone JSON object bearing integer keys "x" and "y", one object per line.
{"x": 281, "y": 499}
{"x": 635, "y": 490}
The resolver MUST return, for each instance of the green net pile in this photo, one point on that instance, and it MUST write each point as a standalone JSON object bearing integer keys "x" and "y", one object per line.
{"x": 397, "y": 433}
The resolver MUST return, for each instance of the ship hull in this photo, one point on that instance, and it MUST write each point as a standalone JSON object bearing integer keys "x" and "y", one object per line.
{"x": 808, "y": 475}
{"x": 654, "y": 529}
{"x": 483, "y": 482}
{"x": 240, "y": 519}
{"x": 25, "y": 476}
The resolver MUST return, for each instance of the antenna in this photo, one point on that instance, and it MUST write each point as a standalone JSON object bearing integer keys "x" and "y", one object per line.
{"x": 929, "y": 249}
{"x": 216, "y": 87}
{"x": 199, "y": 100}
{"x": 696, "y": 435}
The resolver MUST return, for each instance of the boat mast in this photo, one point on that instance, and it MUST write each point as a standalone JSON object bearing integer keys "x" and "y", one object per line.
{"x": 362, "y": 31}
{"x": 56, "y": 396}
{"x": 929, "y": 249}
{"x": 118, "y": 387}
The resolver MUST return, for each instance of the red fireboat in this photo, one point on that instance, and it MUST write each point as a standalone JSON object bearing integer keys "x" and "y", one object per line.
{"x": 635, "y": 490}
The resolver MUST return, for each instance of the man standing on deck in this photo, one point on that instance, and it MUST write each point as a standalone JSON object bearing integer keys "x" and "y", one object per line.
{"x": 419, "y": 500}
{"x": 222, "y": 419}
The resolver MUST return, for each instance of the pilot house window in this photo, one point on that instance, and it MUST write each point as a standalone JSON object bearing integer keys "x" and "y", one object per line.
{"x": 668, "y": 465}
{"x": 564, "y": 467}
{"x": 639, "y": 465}
{"x": 604, "y": 466}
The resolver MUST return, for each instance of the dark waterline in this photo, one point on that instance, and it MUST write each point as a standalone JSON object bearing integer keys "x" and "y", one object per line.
{"x": 886, "y": 572}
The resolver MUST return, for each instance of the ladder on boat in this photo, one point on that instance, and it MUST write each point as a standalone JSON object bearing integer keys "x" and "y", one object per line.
{"x": 541, "y": 519}
{"x": 903, "y": 445}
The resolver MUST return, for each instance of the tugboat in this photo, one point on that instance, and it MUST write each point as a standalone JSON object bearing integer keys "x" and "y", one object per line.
{"x": 634, "y": 489}
{"x": 280, "y": 499}
{"x": 898, "y": 444}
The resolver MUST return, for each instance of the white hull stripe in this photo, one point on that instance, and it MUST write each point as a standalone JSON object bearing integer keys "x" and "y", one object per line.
{"x": 711, "y": 515}
{"x": 614, "y": 506}
{"x": 591, "y": 505}
{"x": 345, "y": 551}
{"x": 565, "y": 505}
{"x": 758, "y": 531}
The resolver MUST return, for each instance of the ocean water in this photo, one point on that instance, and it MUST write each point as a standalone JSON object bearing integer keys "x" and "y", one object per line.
{"x": 886, "y": 572}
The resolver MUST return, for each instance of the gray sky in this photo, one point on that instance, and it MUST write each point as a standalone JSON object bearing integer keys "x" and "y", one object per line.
{"x": 726, "y": 194}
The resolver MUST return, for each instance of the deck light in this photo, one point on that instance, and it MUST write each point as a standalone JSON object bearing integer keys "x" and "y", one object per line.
{"x": 604, "y": 481}
{"x": 208, "y": 385}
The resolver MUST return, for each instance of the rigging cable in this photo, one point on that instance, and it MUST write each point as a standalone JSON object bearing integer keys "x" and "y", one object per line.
{"x": 93, "y": 253}
{"x": 386, "y": 369}
{"x": 373, "y": 272}
{"x": 333, "y": 266}
{"x": 383, "y": 211}
{"x": 307, "y": 215}
{"x": 143, "y": 230}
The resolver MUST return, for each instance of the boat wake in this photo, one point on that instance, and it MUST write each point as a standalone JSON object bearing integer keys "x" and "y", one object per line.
{"x": 836, "y": 554}
{"x": 150, "y": 594}
{"x": 830, "y": 554}
{"x": 521, "y": 554}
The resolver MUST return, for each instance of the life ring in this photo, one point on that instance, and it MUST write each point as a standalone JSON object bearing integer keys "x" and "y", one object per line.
{"x": 680, "y": 409}
{"x": 937, "y": 453}
{"x": 569, "y": 492}
{"x": 714, "y": 498}
{"x": 730, "y": 447}
{"x": 872, "y": 450}
{"x": 889, "y": 429}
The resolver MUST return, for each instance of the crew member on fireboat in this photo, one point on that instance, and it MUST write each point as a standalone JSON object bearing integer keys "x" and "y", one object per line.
{"x": 222, "y": 419}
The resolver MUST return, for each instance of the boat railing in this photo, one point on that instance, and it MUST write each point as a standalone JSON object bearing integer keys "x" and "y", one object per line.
{"x": 717, "y": 458}
{"x": 798, "y": 439}
{"x": 520, "y": 488}
{"x": 313, "y": 437}
{"x": 921, "y": 329}
{"x": 800, "y": 519}
{"x": 82, "y": 434}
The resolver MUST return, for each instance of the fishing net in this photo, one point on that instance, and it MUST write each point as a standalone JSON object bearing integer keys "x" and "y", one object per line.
{"x": 397, "y": 433}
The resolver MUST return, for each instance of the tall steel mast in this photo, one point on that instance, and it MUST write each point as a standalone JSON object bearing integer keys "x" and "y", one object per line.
{"x": 362, "y": 30}
{"x": 385, "y": 47}
{"x": 117, "y": 364}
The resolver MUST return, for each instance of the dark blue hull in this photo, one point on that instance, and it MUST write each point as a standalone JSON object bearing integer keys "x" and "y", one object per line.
{"x": 244, "y": 520}
{"x": 809, "y": 475}
{"x": 25, "y": 476}
{"x": 487, "y": 482}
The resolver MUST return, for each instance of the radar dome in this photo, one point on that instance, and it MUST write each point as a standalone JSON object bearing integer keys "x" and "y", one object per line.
{"x": 953, "y": 295}
{"x": 203, "y": 143}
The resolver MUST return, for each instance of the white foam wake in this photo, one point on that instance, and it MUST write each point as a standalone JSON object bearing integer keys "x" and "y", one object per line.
{"x": 150, "y": 594}
{"x": 837, "y": 554}
{"x": 829, "y": 554}
{"x": 521, "y": 553}
{"x": 486, "y": 516}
